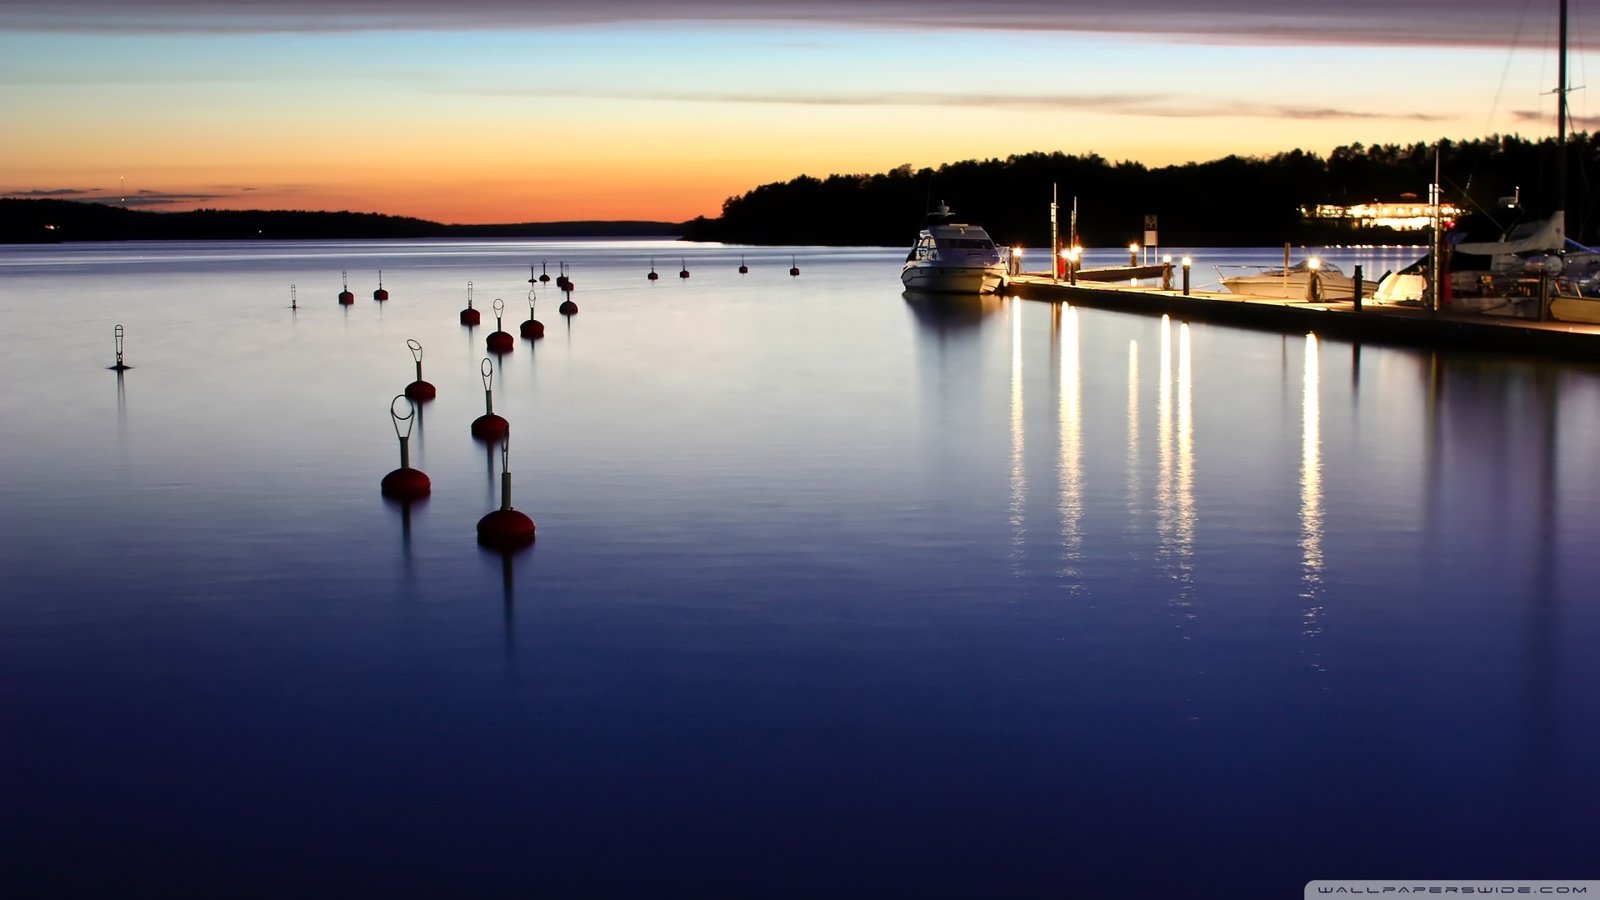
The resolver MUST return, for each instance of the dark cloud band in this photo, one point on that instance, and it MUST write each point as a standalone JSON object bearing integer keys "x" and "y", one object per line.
{"x": 1350, "y": 22}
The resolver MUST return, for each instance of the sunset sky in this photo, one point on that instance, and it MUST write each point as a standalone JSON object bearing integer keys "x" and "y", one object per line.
{"x": 498, "y": 111}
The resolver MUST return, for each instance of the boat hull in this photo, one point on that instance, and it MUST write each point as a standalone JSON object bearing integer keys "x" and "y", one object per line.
{"x": 937, "y": 279}
{"x": 1296, "y": 286}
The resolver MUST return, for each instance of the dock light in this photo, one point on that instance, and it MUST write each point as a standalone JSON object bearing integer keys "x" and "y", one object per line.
{"x": 1313, "y": 264}
{"x": 1187, "y": 262}
{"x": 1072, "y": 263}
{"x": 1133, "y": 254}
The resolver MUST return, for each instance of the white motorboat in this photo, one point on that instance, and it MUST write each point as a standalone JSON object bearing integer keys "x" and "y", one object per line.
{"x": 1309, "y": 279}
{"x": 953, "y": 257}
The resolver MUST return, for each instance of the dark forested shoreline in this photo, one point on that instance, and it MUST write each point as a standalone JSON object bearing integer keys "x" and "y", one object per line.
{"x": 32, "y": 221}
{"x": 1234, "y": 201}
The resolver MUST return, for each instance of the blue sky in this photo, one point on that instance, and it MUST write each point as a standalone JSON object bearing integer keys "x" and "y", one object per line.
{"x": 482, "y": 111}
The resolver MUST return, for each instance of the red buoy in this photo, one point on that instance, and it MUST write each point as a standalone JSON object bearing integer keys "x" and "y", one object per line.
{"x": 499, "y": 341}
{"x": 794, "y": 268}
{"x": 684, "y": 271}
{"x": 345, "y": 297}
{"x": 380, "y": 294}
{"x": 489, "y": 427}
{"x": 544, "y": 275}
{"x": 533, "y": 328}
{"x": 743, "y": 269}
{"x": 506, "y": 528}
{"x": 567, "y": 308}
{"x": 469, "y": 316}
{"x": 405, "y": 483}
{"x": 418, "y": 391}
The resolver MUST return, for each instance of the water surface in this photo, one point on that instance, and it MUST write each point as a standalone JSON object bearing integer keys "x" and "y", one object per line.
{"x": 837, "y": 592}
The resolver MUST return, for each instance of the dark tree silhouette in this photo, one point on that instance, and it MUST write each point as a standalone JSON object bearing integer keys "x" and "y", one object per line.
{"x": 1230, "y": 201}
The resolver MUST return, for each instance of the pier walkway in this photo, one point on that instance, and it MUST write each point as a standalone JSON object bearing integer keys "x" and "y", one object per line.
{"x": 1373, "y": 322}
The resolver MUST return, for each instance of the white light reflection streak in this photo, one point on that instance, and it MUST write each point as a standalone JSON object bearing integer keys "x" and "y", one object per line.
{"x": 1071, "y": 463}
{"x": 1133, "y": 434}
{"x": 1185, "y": 488}
{"x": 1311, "y": 491}
{"x": 1019, "y": 481}
{"x": 1175, "y": 518}
{"x": 1164, "y": 434}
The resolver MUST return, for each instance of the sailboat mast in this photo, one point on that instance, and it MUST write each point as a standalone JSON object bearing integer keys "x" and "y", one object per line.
{"x": 1561, "y": 121}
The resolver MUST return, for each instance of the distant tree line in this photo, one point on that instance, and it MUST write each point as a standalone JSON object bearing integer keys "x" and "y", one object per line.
{"x": 35, "y": 220}
{"x": 1242, "y": 201}
{"x": 1236, "y": 200}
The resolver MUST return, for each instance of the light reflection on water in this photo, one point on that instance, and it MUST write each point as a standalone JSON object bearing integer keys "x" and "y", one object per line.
{"x": 1311, "y": 486}
{"x": 835, "y": 587}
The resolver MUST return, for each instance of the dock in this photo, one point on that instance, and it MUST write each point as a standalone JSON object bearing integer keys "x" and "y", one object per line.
{"x": 1377, "y": 323}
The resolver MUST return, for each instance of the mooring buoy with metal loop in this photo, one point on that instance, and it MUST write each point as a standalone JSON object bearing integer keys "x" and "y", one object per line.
{"x": 506, "y": 528}
{"x": 405, "y": 483}
{"x": 419, "y": 390}
{"x": 489, "y": 427}
{"x": 499, "y": 340}
{"x": 533, "y": 328}
{"x": 469, "y": 316}
{"x": 121, "y": 366}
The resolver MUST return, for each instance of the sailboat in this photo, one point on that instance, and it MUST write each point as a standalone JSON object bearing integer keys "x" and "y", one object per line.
{"x": 1570, "y": 265}
{"x": 1503, "y": 263}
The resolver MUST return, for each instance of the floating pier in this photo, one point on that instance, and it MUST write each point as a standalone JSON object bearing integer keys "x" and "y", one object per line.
{"x": 1378, "y": 323}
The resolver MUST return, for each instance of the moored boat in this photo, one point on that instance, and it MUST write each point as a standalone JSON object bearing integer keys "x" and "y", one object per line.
{"x": 1309, "y": 279}
{"x": 953, "y": 257}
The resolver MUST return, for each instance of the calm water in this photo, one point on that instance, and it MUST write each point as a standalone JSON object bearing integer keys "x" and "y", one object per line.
{"x": 837, "y": 592}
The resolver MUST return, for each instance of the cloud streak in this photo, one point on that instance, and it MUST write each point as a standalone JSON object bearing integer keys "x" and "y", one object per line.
{"x": 1146, "y": 105}
{"x": 136, "y": 200}
{"x": 1477, "y": 23}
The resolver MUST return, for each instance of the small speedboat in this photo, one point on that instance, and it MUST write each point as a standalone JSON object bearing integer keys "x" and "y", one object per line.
{"x": 1309, "y": 279}
{"x": 953, "y": 257}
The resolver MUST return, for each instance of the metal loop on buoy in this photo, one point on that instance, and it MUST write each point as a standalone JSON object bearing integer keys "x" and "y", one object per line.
{"x": 499, "y": 307}
{"x": 416, "y": 349}
{"x": 409, "y": 418}
{"x": 119, "y": 335}
{"x": 487, "y": 368}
